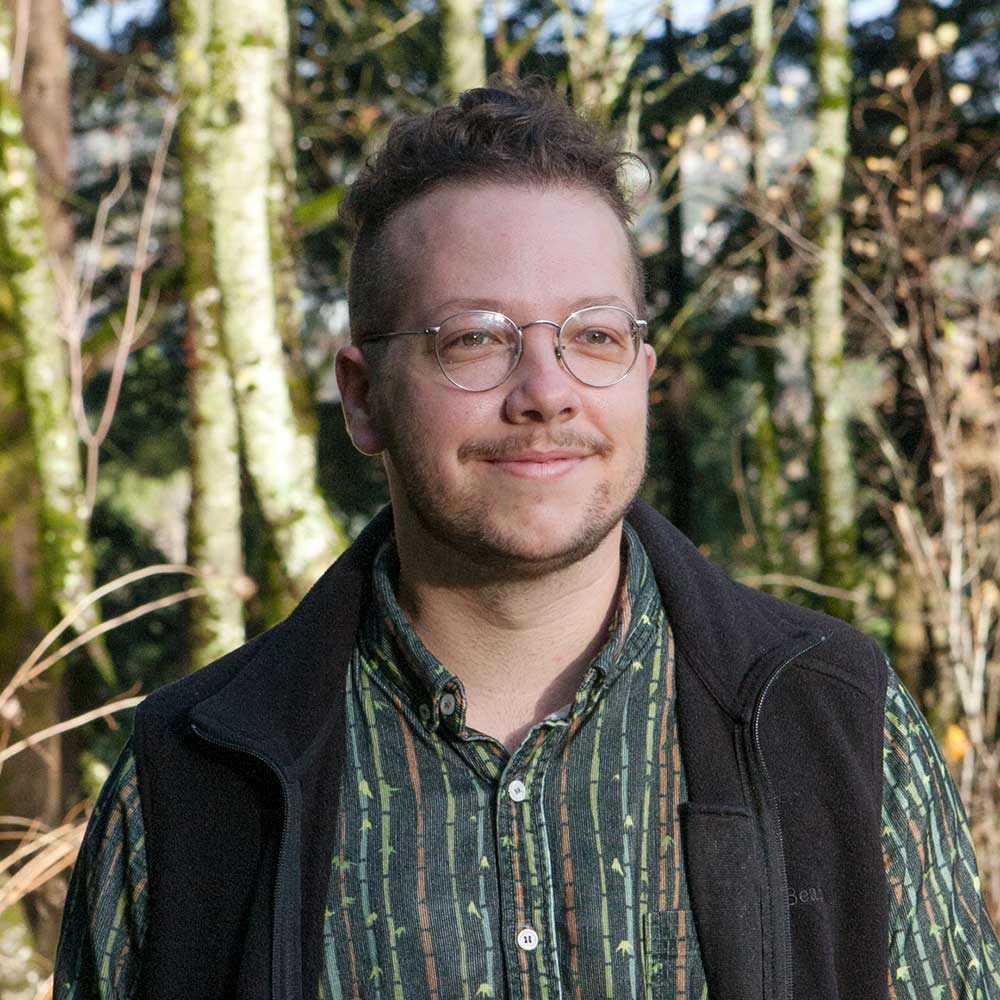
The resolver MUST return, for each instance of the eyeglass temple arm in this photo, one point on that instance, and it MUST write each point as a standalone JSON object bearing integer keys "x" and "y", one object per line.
{"x": 426, "y": 332}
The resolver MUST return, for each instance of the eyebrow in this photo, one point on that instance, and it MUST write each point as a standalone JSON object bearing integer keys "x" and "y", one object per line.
{"x": 495, "y": 305}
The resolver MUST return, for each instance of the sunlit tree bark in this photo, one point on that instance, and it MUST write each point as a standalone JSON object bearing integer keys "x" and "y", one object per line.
{"x": 25, "y": 263}
{"x": 279, "y": 455}
{"x": 836, "y": 484}
{"x": 44, "y": 97}
{"x": 463, "y": 46}
{"x": 214, "y": 528}
{"x": 285, "y": 246}
{"x": 41, "y": 468}
{"x": 770, "y": 487}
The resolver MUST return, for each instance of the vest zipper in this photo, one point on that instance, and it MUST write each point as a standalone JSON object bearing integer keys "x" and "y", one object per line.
{"x": 786, "y": 937}
{"x": 277, "y": 991}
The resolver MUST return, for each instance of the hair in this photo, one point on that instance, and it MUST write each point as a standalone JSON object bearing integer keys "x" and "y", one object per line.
{"x": 507, "y": 133}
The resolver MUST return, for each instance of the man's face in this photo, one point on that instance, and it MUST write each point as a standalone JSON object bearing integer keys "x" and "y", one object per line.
{"x": 534, "y": 474}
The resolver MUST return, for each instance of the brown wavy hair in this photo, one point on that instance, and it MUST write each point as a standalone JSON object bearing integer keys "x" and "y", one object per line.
{"x": 507, "y": 133}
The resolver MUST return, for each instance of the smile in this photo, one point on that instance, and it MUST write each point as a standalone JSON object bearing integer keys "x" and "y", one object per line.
{"x": 539, "y": 465}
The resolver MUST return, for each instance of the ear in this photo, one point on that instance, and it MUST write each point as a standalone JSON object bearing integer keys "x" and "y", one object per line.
{"x": 650, "y": 359}
{"x": 353, "y": 378}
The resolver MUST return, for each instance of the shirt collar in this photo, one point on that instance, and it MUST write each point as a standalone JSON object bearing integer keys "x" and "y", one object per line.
{"x": 437, "y": 695}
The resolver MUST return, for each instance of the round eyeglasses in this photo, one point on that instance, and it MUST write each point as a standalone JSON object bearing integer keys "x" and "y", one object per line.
{"x": 477, "y": 350}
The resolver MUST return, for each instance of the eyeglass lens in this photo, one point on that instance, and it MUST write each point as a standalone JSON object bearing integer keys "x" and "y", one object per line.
{"x": 478, "y": 350}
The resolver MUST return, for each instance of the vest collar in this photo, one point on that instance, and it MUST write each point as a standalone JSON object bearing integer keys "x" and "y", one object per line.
{"x": 286, "y": 700}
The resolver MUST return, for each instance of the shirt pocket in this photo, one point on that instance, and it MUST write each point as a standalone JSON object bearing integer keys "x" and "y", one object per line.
{"x": 671, "y": 959}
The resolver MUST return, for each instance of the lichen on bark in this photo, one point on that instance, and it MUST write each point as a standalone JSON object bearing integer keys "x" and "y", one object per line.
{"x": 26, "y": 268}
{"x": 837, "y": 486}
{"x": 215, "y": 545}
{"x": 280, "y": 455}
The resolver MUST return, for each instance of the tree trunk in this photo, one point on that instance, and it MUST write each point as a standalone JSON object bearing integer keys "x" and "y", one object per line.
{"x": 280, "y": 457}
{"x": 771, "y": 484}
{"x": 836, "y": 477}
{"x": 285, "y": 248}
{"x": 25, "y": 264}
{"x": 215, "y": 545}
{"x": 41, "y": 474}
{"x": 463, "y": 46}
{"x": 44, "y": 98}
{"x": 671, "y": 416}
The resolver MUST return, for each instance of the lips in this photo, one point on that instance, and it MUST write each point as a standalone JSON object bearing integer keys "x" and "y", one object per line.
{"x": 542, "y": 456}
{"x": 539, "y": 464}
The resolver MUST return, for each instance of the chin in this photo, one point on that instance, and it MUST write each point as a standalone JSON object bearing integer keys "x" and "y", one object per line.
{"x": 520, "y": 544}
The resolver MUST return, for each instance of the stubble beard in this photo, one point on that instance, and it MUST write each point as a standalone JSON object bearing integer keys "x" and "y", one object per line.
{"x": 463, "y": 523}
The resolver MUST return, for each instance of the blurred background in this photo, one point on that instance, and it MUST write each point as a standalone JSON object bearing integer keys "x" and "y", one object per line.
{"x": 821, "y": 234}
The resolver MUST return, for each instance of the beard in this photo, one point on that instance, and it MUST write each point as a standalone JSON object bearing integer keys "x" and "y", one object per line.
{"x": 464, "y": 522}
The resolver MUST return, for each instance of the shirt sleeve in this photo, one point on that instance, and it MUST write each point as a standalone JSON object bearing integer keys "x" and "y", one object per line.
{"x": 941, "y": 942}
{"x": 104, "y": 921}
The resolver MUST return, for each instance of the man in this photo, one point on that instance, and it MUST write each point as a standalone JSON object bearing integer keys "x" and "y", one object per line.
{"x": 522, "y": 740}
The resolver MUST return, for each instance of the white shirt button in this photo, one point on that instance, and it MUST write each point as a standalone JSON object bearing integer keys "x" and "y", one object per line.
{"x": 527, "y": 939}
{"x": 447, "y": 703}
{"x": 517, "y": 792}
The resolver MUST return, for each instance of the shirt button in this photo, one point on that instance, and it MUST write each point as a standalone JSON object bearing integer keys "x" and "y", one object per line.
{"x": 527, "y": 939}
{"x": 517, "y": 792}
{"x": 447, "y": 703}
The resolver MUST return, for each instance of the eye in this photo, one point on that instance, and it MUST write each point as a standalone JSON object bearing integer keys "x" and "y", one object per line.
{"x": 475, "y": 338}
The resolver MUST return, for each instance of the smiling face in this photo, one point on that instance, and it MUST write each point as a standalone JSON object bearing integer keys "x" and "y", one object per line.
{"x": 536, "y": 473}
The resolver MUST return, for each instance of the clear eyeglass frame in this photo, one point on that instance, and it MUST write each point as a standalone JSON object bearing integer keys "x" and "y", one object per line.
{"x": 638, "y": 330}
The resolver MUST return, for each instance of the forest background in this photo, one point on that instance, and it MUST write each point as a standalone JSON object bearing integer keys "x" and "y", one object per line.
{"x": 821, "y": 234}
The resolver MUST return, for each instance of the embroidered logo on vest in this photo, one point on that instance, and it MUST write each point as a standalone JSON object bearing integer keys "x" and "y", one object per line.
{"x": 811, "y": 894}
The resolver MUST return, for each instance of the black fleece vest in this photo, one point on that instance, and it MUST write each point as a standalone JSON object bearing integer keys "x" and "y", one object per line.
{"x": 780, "y": 715}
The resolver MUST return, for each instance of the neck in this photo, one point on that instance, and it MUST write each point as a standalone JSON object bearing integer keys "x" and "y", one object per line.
{"x": 520, "y": 646}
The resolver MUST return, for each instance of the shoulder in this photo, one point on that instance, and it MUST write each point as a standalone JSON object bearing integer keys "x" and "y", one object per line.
{"x": 734, "y": 637}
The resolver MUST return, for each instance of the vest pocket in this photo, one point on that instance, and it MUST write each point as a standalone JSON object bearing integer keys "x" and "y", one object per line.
{"x": 670, "y": 955}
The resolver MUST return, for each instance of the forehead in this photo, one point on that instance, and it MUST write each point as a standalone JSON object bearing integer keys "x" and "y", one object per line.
{"x": 522, "y": 248}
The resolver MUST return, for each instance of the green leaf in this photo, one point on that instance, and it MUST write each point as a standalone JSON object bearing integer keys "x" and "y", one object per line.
{"x": 616, "y": 866}
{"x": 320, "y": 210}
{"x": 625, "y": 948}
{"x": 365, "y": 789}
{"x": 629, "y": 823}
{"x": 365, "y": 824}
{"x": 484, "y": 863}
{"x": 484, "y": 990}
{"x": 372, "y": 917}
{"x": 472, "y": 911}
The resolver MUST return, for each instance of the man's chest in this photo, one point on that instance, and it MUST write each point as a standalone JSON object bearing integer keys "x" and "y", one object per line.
{"x": 556, "y": 871}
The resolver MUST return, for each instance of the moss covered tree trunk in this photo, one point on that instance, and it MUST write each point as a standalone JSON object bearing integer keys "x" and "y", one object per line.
{"x": 285, "y": 242}
{"x": 47, "y": 568}
{"x": 44, "y": 98}
{"x": 463, "y": 46}
{"x": 280, "y": 456}
{"x": 770, "y": 490}
{"x": 26, "y": 269}
{"x": 836, "y": 483}
{"x": 215, "y": 545}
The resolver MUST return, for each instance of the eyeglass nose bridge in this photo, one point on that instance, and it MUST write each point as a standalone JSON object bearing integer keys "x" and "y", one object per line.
{"x": 539, "y": 322}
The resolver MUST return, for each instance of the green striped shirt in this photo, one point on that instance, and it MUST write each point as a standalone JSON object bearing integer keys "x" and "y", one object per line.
{"x": 462, "y": 870}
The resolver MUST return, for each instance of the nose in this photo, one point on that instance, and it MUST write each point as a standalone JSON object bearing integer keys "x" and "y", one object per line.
{"x": 540, "y": 390}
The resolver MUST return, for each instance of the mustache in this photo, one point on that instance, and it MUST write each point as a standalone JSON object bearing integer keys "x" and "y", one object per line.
{"x": 500, "y": 448}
